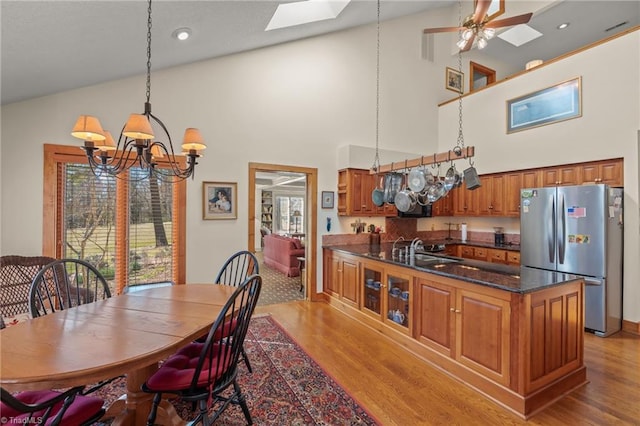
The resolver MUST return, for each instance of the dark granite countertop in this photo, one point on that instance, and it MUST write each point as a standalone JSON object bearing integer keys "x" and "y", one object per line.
{"x": 517, "y": 279}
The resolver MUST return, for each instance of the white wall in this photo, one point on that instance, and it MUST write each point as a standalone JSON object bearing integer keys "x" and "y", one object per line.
{"x": 608, "y": 128}
{"x": 296, "y": 103}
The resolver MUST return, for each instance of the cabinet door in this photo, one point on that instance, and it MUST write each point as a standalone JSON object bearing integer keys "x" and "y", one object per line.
{"x": 512, "y": 186}
{"x": 466, "y": 252}
{"x": 372, "y": 289}
{"x": 464, "y": 201}
{"x": 482, "y": 334}
{"x": 451, "y": 250}
{"x": 350, "y": 282}
{"x": 397, "y": 311}
{"x": 331, "y": 281}
{"x": 531, "y": 179}
{"x": 480, "y": 253}
{"x": 444, "y": 206}
{"x": 357, "y": 190}
{"x": 609, "y": 172}
{"x": 343, "y": 202}
{"x": 436, "y": 307}
{"x": 562, "y": 176}
{"x": 484, "y": 195}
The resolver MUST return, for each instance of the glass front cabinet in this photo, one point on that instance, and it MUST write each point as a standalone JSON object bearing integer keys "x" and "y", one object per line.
{"x": 387, "y": 295}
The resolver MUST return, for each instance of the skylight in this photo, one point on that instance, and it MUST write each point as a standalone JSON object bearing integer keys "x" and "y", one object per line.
{"x": 304, "y": 12}
{"x": 519, "y": 35}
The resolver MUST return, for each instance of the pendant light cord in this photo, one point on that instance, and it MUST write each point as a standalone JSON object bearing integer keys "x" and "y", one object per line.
{"x": 376, "y": 160}
{"x": 460, "y": 142}
{"x": 149, "y": 53}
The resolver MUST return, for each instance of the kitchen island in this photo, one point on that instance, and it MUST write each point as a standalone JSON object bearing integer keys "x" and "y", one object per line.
{"x": 515, "y": 334}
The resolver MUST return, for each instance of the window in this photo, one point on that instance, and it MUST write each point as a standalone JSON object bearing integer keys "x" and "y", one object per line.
{"x": 133, "y": 232}
{"x": 287, "y": 218}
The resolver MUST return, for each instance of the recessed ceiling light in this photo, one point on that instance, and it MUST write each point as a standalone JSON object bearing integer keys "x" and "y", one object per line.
{"x": 563, "y": 25}
{"x": 182, "y": 34}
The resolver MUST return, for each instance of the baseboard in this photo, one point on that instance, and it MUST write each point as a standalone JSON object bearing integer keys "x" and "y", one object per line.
{"x": 631, "y": 327}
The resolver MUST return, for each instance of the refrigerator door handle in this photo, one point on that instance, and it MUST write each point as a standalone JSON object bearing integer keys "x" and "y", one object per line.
{"x": 562, "y": 237}
{"x": 551, "y": 230}
{"x": 588, "y": 281}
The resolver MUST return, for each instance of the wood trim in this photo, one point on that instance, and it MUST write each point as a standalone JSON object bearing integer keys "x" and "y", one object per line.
{"x": 474, "y": 68}
{"x": 312, "y": 217}
{"x": 551, "y": 61}
{"x": 435, "y": 158}
{"x": 631, "y": 327}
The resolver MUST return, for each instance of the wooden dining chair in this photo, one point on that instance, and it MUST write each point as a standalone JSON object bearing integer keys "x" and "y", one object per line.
{"x": 66, "y": 283}
{"x": 63, "y": 284}
{"x": 52, "y": 408}
{"x": 16, "y": 275}
{"x": 202, "y": 371}
{"x": 234, "y": 272}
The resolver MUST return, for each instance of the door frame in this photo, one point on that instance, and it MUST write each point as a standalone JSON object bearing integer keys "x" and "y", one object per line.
{"x": 311, "y": 217}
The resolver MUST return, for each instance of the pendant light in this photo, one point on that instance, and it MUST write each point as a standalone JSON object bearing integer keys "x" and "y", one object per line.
{"x": 139, "y": 145}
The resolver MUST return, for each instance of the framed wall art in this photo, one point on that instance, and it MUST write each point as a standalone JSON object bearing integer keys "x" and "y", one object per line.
{"x": 560, "y": 102}
{"x": 219, "y": 200}
{"x": 454, "y": 80}
{"x": 327, "y": 199}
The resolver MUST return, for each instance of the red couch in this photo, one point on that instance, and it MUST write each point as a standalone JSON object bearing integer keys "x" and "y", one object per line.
{"x": 281, "y": 253}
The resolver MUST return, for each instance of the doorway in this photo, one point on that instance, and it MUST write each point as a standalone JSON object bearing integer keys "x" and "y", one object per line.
{"x": 480, "y": 76}
{"x": 306, "y": 218}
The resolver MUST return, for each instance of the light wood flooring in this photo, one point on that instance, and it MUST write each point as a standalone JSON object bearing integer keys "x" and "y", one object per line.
{"x": 398, "y": 388}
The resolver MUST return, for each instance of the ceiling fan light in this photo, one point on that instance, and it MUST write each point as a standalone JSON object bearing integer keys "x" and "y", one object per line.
{"x": 489, "y": 33}
{"x": 482, "y": 42}
{"x": 466, "y": 35}
{"x": 461, "y": 43}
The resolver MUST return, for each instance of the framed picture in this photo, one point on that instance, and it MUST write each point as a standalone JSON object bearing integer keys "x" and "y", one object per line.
{"x": 454, "y": 80}
{"x": 327, "y": 199}
{"x": 219, "y": 200}
{"x": 550, "y": 105}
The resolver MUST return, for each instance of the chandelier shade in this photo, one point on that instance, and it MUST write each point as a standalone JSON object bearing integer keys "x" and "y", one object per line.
{"x": 138, "y": 145}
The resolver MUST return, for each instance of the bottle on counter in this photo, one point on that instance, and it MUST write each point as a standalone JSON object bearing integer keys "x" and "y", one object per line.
{"x": 464, "y": 232}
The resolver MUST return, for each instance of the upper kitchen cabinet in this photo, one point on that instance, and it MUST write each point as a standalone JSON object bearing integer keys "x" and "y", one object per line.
{"x": 491, "y": 195}
{"x": 444, "y": 206}
{"x": 354, "y": 194}
{"x": 562, "y": 175}
{"x": 608, "y": 171}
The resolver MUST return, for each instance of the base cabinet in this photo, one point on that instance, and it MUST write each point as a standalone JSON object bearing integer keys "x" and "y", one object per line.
{"x": 524, "y": 351}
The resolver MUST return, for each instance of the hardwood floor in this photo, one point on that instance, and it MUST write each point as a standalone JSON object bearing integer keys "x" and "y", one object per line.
{"x": 400, "y": 389}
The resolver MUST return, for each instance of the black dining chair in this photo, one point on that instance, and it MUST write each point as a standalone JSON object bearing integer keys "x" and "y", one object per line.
{"x": 202, "y": 371}
{"x": 51, "y": 408}
{"x": 65, "y": 283}
{"x": 234, "y": 272}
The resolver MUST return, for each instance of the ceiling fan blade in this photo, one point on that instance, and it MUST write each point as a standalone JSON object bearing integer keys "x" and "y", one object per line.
{"x": 514, "y": 20}
{"x": 469, "y": 44}
{"x": 442, "y": 30}
{"x": 481, "y": 10}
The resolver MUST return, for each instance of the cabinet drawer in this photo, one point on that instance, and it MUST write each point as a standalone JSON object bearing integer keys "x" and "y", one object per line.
{"x": 480, "y": 253}
{"x": 466, "y": 251}
{"x": 513, "y": 257}
{"x": 498, "y": 256}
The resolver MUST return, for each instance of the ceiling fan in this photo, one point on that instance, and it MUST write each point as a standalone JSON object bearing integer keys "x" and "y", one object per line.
{"x": 478, "y": 25}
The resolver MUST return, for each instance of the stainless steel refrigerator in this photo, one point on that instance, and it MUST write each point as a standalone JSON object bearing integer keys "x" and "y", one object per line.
{"x": 578, "y": 230}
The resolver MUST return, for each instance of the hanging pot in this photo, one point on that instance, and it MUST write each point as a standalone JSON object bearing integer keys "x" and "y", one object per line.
{"x": 392, "y": 185}
{"x": 417, "y": 179}
{"x": 377, "y": 195}
{"x": 436, "y": 191}
{"x": 405, "y": 200}
{"x": 450, "y": 178}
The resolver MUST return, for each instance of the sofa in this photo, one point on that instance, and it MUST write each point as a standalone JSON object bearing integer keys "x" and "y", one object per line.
{"x": 281, "y": 253}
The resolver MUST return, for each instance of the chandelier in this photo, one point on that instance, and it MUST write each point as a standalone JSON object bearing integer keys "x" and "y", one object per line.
{"x": 138, "y": 145}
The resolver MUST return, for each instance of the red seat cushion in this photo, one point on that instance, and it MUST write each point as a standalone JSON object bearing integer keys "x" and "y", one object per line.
{"x": 177, "y": 372}
{"x": 82, "y": 408}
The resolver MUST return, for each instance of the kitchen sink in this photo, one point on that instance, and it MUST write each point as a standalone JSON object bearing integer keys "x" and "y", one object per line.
{"x": 429, "y": 260}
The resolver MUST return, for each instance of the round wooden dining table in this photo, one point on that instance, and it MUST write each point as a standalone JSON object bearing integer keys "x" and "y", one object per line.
{"x": 127, "y": 334}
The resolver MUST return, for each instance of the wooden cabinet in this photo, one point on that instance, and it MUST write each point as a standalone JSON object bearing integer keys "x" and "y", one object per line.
{"x": 513, "y": 257}
{"x": 609, "y": 172}
{"x": 354, "y": 194}
{"x": 342, "y": 277}
{"x": 491, "y": 195}
{"x": 473, "y": 327}
{"x": 523, "y": 350}
{"x": 451, "y": 250}
{"x": 471, "y": 252}
{"x": 465, "y": 201}
{"x": 561, "y": 175}
{"x": 497, "y": 256}
{"x": 444, "y": 206}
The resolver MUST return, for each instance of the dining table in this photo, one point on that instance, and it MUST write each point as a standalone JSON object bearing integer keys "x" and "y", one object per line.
{"x": 126, "y": 334}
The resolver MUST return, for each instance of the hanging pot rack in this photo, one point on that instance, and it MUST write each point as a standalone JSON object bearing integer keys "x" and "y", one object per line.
{"x": 442, "y": 157}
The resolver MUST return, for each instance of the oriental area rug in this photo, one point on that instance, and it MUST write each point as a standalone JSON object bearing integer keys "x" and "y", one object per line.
{"x": 287, "y": 387}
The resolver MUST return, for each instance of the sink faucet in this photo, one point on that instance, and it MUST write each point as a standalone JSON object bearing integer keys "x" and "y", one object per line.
{"x": 394, "y": 250}
{"x": 416, "y": 244}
